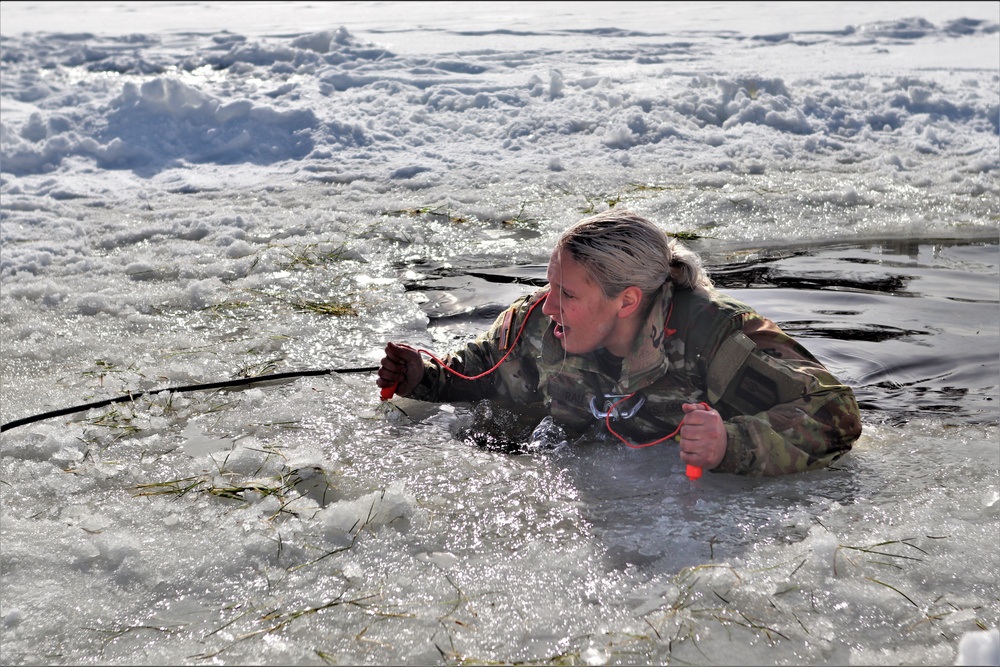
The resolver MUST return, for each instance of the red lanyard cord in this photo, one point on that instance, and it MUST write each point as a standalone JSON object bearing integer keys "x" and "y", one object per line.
{"x": 388, "y": 392}
{"x": 607, "y": 422}
{"x": 693, "y": 472}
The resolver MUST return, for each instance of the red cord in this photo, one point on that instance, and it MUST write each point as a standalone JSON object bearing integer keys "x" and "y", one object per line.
{"x": 388, "y": 392}
{"x": 693, "y": 472}
{"x": 607, "y": 422}
{"x": 502, "y": 359}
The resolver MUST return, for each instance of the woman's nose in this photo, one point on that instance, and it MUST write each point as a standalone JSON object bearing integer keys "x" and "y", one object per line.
{"x": 551, "y": 306}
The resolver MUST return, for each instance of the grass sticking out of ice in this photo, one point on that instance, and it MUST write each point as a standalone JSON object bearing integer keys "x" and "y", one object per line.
{"x": 228, "y": 308}
{"x": 439, "y": 211}
{"x": 521, "y": 218}
{"x": 104, "y": 368}
{"x": 284, "y": 486}
{"x": 331, "y": 308}
{"x": 279, "y": 620}
{"x": 307, "y": 256}
{"x": 258, "y": 368}
{"x": 324, "y": 307}
{"x": 875, "y": 549}
{"x": 313, "y": 255}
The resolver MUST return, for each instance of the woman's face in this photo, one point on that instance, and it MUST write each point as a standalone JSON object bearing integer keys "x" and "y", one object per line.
{"x": 586, "y": 320}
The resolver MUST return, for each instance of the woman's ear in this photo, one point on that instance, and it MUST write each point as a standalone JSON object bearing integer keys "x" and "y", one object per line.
{"x": 630, "y": 299}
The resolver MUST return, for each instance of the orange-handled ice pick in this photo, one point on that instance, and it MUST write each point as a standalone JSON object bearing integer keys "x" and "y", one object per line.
{"x": 694, "y": 472}
{"x": 388, "y": 392}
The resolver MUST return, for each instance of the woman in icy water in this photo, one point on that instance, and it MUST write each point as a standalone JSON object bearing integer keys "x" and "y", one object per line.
{"x": 630, "y": 336}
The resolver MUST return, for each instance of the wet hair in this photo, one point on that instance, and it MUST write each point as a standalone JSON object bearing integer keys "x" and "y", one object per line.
{"x": 619, "y": 249}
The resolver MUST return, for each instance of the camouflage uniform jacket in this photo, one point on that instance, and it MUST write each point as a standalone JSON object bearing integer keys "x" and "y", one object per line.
{"x": 784, "y": 411}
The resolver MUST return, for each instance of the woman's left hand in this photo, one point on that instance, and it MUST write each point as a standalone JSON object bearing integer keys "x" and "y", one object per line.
{"x": 703, "y": 436}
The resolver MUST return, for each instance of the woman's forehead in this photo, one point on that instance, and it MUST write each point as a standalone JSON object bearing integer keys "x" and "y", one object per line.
{"x": 563, "y": 268}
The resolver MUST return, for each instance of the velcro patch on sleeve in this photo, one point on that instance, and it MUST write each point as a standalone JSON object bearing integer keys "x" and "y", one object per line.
{"x": 508, "y": 321}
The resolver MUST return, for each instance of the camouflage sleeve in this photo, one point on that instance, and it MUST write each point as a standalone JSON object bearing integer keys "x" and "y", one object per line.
{"x": 477, "y": 357}
{"x": 784, "y": 411}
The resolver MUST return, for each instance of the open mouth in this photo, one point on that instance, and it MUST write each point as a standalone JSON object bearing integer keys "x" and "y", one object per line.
{"x": 559, "y": 331}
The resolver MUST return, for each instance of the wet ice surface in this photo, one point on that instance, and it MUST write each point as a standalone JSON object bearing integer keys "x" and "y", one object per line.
{"x": 435, "y": 545}
{"x": 189, "y": 207}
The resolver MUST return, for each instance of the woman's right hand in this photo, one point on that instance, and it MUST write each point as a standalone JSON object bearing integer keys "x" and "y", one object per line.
{"x": 401, "y": 368}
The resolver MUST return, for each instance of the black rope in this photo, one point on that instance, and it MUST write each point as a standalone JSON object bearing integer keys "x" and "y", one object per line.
{"x": 191, "y": 387}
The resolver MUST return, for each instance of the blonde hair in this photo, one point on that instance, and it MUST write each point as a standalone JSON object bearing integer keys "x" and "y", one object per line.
{"x": 620, "y": 249}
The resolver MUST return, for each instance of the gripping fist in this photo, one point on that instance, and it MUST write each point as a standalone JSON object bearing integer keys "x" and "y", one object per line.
{"x": 401, "y": 368}
{"x": 703, "y": 436}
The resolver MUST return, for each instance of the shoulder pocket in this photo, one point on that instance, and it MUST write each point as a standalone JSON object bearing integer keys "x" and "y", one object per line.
{"x": 749, "y": 381}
